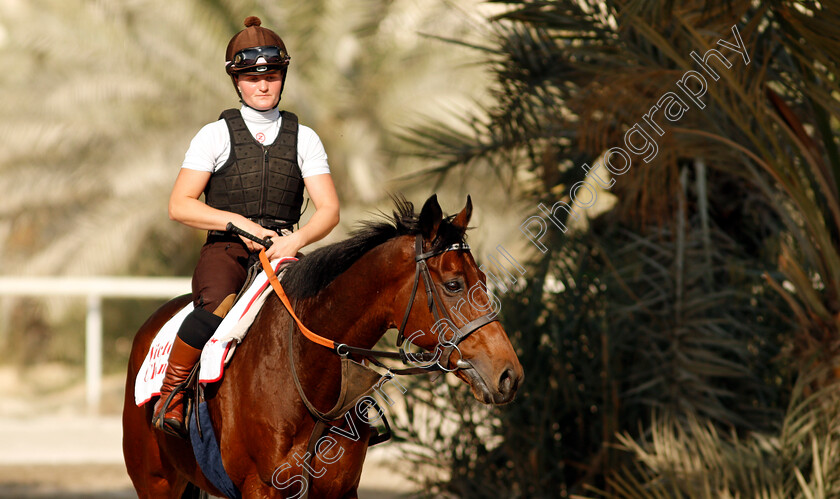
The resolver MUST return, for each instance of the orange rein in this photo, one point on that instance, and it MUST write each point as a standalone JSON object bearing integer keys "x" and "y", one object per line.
{"x": 275, "y": 283}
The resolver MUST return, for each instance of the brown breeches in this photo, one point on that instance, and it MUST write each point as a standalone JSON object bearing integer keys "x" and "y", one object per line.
{"x": 221, "y": 271}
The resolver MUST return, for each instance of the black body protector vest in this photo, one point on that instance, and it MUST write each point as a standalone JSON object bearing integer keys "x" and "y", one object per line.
{"x": 260, "y": 182}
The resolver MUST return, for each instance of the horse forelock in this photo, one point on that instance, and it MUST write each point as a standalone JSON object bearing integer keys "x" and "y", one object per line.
{"x": 315, "y": 271}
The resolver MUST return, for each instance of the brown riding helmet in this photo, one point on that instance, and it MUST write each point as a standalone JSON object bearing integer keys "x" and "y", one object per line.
{"x": 255, "y": 50}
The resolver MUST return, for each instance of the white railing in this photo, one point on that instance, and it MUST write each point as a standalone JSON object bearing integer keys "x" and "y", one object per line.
{"x": 95, "y": 289}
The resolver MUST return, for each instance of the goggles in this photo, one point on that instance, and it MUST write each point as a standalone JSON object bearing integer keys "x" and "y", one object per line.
{"x": 271, "y": 54}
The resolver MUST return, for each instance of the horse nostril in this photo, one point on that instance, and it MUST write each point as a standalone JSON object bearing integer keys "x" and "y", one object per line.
{"x": 507, "y": 382}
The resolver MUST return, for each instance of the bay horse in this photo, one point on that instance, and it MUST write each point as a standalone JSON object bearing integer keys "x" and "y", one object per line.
{"x": 351, "y": 292}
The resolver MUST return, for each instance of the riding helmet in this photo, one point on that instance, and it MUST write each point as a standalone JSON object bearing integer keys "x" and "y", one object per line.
{"x": 255, "y": 50}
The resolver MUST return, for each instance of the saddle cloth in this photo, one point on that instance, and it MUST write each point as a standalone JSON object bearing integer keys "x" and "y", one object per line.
{"x": 217, "y": 352}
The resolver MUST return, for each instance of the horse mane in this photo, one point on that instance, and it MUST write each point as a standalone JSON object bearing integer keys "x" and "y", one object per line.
{"x": 315, "y": 271}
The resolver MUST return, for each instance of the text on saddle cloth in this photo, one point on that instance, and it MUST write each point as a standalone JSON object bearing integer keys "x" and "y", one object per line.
{"x": 219, "y": 348}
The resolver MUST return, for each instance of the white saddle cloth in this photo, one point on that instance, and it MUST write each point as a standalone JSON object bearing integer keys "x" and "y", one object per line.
{"x": 217, "y": 352}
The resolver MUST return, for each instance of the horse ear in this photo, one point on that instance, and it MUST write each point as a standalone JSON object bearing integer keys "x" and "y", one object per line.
{"x": 463, "y": 218}
{"x": 430, "y": 217}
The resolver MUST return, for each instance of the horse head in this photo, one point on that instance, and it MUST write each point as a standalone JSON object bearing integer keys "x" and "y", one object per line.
{"x": 458, "y": 319}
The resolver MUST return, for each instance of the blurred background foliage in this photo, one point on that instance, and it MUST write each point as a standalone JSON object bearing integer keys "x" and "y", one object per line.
{"x": 682, "y": 342}
{"x": 679, "y": 341}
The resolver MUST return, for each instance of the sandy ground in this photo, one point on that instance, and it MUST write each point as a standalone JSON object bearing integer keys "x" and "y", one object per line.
{"x": 57, "y": 457}
{"x": 53, "y": 447}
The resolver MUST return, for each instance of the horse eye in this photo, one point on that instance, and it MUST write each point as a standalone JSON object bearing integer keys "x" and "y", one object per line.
{"x": 453, "y": 286}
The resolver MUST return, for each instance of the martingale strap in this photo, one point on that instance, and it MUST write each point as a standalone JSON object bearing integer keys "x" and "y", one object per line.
{"x": 357, "y": 381}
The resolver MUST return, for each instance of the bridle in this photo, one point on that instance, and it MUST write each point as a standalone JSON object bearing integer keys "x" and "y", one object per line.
{"x": 433, "y": 300}
{"x": 435, "y": 304}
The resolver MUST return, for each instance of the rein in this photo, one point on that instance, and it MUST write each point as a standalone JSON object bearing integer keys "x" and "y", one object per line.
{"x": 432, "y": 299}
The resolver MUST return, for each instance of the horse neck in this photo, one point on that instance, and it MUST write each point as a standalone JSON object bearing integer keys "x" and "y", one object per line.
{"x": 358, "y": 306}
{"x": 356, "y": 309}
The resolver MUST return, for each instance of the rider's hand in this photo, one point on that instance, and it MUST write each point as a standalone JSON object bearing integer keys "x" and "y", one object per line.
{"x": 259, "y": 231}
{"x": 284, "y": 246}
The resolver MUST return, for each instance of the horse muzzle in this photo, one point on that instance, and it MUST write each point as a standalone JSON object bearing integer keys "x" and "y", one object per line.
{"x": 487, "y": 386}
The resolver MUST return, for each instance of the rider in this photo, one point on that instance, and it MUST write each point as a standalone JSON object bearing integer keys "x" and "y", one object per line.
{"x": 252, "y": 166}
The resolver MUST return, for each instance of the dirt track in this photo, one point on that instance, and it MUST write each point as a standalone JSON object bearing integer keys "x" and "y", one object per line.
{"x": 75, "y": 456}
{"x": 95, "y": 481}
{"x": 50, "y": 447}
